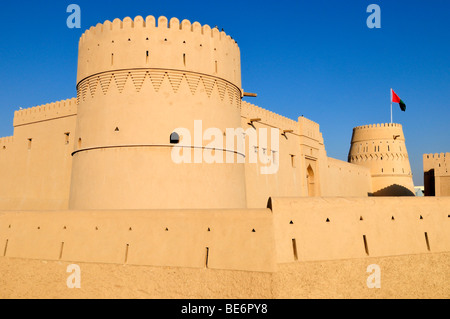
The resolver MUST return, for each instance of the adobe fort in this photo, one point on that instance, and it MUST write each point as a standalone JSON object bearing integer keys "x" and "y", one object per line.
{"x": 91, "y": 180}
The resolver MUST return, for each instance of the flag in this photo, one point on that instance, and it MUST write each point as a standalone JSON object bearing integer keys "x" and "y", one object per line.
{"x": 396, "y": 99}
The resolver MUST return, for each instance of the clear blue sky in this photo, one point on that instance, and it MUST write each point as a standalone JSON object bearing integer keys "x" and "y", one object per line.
{"x": 313, "y": 58}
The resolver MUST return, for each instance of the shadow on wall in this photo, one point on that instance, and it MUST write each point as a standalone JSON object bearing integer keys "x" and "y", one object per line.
{"x": 394, "y": 190}
{"x": 429, "y": 183}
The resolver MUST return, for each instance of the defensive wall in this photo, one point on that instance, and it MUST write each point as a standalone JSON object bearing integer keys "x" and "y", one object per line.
{"x": 36, "y": 163}
{"x": 45, "y": 137}
{"x": 291, "y": 230}
{"x": 304, "y": 167}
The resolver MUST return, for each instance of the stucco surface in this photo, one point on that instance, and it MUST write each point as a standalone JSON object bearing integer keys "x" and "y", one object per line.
{"x": 411, "y": 276}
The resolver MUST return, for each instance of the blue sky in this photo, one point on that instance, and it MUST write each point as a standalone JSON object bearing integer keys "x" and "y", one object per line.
{"x": 313, "y": 58}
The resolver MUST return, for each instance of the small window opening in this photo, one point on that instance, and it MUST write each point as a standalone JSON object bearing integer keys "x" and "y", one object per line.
{"x": 174, "y": 138}
{"x": 30, "y": 140}
{"x": 66, "y": 137}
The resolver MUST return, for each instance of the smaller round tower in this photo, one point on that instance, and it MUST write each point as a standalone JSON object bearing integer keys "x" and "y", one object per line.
{"x": 382, "y": 148}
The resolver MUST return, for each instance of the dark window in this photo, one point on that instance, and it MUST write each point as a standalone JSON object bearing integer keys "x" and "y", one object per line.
{"x": 174, "y": 138}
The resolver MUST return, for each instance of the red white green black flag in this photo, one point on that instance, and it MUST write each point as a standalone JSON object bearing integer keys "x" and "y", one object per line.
{"x": 395, "y": 99}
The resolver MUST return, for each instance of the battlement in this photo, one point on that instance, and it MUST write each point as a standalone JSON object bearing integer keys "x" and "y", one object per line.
{"x": 151, "y": 22}
{"x": 46, "y": 112}
{"x": 389, "y": 132}
{"x": 249, "y": 111}
{"x": 437, "y": 156}
{"x": 158, "y": 44}
{"x": 371, "y": 126}
{"x": 310, "y": 128}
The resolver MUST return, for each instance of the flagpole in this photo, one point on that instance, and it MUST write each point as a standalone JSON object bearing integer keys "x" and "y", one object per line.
{"x": 391, "y": 107}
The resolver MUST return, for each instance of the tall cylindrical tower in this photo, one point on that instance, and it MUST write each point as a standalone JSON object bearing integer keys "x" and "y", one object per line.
{"x": 139, "y": 81}
{"x": 381, "y": 147}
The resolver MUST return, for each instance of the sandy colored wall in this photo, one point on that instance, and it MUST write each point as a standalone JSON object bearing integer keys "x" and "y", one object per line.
{"x": 347, "y": 180}
{"x": 289, "y": 178}
{"x": 413, "y": 276}
{"x": 335, "y": 228}
{"x": 303, "y": 166}
{"x": 35, "y": 164}
{"x": 296, "y": 230}
{"x": 235, "y": 239}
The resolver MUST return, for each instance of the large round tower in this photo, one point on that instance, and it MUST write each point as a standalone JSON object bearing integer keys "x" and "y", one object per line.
{"x": 138, "y": 81}
{"x": 381, "y": 147}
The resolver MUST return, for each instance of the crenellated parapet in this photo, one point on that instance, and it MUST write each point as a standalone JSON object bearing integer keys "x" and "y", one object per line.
{"x": 370, "y": 126}
{"x": 310, "y": 129}
{"x": 158, "y": 44}
{"x": 387, "y": 131}
{"x": 251, "y": 111}
{"x": 46, "y": 112}
{"x": 443, "y": 156}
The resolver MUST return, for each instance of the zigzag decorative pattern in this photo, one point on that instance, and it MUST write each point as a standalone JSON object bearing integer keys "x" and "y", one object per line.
{"x": 103, "y": 82}
{"x": 385, "y": 156}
